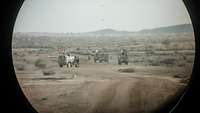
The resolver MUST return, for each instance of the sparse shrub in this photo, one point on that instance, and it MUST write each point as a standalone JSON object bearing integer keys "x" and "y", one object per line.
{"x": 149, "y": 50}
{"x": 127, "y": 70}
{"x": 48, "y": 72}
{"x": 176, "y": 52}
{"x": 40, "y": 63}
{"x": 24, "y": 60}
{"x": 179, "y": 76}
{"x": 23, "y": 55}
{"x": 166, "y": 43}
{"x": 189, "y": 61}
{"x": 181, "y": 65}
{"x": 15, "y": 53}
{"x": 168, "y": 61}
{"x": 155, "y": 64}
{"x": 185, "y": 80}
{"x": 150, "y": 61}
{"x": 20, "y": 67}
{"x": 184, "y": 57}
{"x": 77, "y": 49}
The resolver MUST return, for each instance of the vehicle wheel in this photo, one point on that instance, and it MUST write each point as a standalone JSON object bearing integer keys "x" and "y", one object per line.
{"x": 76, "y": 65}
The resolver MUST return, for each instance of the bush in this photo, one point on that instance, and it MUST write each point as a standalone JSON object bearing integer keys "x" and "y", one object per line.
{"x": 179, "y": 76}
{"x": 20, "y": 67}
{"x": 165, "y": 42}
{"x": 149, "y": 50}
{"x": 40, "y": 63}
{"x": 185, "y": 80}
{"x": 127, "y": 70}
{"x": 181, "y": 64}
{"x": 168, "y": 61}
{"x": 48, "y": 72}
{"x": 155, "y": 64}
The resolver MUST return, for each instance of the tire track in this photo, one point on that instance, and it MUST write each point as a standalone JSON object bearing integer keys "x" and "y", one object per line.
{"x": 101, "y": 96}
{"x": 121, "y": 101}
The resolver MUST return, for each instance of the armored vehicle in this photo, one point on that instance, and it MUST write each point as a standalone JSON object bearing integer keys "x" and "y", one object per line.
{"x": 101, "y": 57}
{"x": 123, "y": 57}
{"x": 61, "y": 60}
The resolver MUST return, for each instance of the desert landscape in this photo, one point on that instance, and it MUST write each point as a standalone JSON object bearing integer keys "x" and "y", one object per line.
{"x": 160, "y": 66}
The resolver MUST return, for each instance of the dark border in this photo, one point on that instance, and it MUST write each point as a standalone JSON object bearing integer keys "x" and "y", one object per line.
{"x": 189, "y": 101}
{"x": 13, "y": 99}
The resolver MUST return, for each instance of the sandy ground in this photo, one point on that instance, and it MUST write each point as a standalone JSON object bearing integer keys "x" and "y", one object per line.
{"x": 159, "y": 62}
{"x": 98, "y": 88}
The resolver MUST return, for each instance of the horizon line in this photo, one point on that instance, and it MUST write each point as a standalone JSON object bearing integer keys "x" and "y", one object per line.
{"x": 103, "y": 29}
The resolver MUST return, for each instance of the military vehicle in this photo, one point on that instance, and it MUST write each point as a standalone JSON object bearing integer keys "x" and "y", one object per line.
{"x": 61, "y": 60}
{"x": 123, "y": 57}
{"x": 69, "y": 61}
{"x": 101, "y": 57}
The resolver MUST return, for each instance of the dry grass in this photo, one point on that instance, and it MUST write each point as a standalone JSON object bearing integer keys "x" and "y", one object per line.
{"x": 141, "y": 94}
{"x": 48, "y": 72}
{"x": 127, "y": 70}
{"x": 20, "y": 66}
{"x": 148, "y": 96}
{"x": 40, "y": 63}
{"x": 168, "y": 61}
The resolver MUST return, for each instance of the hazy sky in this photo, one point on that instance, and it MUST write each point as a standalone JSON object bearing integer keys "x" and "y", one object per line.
{"x": 89, "y": 15}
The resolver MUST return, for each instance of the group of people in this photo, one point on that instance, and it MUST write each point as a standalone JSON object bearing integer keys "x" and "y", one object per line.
{"x": 68, "y": 60}
{"x": 72, "y": 60}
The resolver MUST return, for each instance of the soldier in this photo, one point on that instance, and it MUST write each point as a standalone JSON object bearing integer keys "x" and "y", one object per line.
{"x": 76, "y": 61}
{"x": 89, "y": 57}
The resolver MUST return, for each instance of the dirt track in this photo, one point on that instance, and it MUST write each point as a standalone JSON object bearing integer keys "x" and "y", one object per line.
{"x": 98, "y": 89}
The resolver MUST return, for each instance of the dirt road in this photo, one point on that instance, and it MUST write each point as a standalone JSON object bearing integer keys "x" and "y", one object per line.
{"x": 98, "y": 88}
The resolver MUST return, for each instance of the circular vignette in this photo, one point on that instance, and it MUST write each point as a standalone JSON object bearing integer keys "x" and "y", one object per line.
{"x": 181, "y": 96}
{"x": 187, "y": 101}
{"x": 13, "y": 98}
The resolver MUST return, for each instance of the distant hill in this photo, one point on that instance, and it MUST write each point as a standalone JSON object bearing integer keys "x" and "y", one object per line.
{"x": 170, "y": 29}
{"x": 107, "y": 32}
{"x": 183, "y": 28}
{"x": 45, "y": 40}
{"x": 110, "y": 31}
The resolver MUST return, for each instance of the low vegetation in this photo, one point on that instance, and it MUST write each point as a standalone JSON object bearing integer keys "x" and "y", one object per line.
{"x": 20, "y": 66}
{"x": 127, "y": 70}
{"x": 40, "y": 63}
{"x": 48, "y": 72}
{"x": 168, "y": 61}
